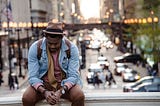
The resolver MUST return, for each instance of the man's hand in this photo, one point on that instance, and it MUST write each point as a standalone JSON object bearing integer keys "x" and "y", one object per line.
{"x": 58, "y": 94}
{"x": 52, "y": 97}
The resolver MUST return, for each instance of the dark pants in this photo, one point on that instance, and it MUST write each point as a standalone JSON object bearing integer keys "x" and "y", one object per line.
{"x": 75, "y": 95}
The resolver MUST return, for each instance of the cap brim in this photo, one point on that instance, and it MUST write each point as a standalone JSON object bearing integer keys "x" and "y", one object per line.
{"x": 57, "y": 33}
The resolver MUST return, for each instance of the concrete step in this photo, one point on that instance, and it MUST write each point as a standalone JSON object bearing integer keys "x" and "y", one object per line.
{"x": 99, "y": 99}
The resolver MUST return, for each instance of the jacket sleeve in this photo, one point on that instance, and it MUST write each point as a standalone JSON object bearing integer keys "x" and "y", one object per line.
{"x": 72, "y": 71}
{"x": 33, "y": 65}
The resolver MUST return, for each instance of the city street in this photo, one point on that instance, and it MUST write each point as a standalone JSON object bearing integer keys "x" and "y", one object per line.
{"x": 91, "y": 57}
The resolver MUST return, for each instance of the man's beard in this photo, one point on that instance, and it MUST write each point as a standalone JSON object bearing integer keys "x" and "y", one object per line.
{"x": 53, "y": 50}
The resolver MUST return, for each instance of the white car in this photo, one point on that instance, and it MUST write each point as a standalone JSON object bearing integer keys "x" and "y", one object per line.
{"x": 103, "y": 61}
{"x": 102, "y": 58}
{"x": 109, "y": 45}
{"x": 95, "y": 45}
{"x": 130, "y": 75}
{"x": 120, "y": 67}
{"x": 93, "y": 69}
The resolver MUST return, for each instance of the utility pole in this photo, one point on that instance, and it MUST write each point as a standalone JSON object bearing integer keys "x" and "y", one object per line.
{"x": 30, "y": 5}
{"x": 9, "y": 47}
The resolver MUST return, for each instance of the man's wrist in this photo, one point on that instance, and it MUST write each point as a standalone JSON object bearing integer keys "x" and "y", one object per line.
{"x": 41, "y": 89}
{"x": 43, "y": 92}
{"x": 64, "y": 89}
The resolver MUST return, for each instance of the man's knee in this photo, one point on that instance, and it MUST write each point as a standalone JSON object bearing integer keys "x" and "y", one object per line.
{"x": 81, "y": 96}
{"x": 29, "y": 96}
{"x": 78, "y": 96}
{"x": 26, "y": 99}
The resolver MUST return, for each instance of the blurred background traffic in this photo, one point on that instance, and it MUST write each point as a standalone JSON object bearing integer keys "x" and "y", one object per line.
{"x": 118, "y": 41}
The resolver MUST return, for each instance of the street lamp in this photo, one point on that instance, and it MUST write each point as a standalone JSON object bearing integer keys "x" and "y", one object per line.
{"x": 19, "y": 48}
{"x": 72, "y": 16}
{"x": 6, "y": 26}
{"x": 36, "y": 31}
{"x": 29, "y": 25}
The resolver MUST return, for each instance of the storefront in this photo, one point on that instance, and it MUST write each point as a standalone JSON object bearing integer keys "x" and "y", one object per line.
{"x": 3, "y": 50}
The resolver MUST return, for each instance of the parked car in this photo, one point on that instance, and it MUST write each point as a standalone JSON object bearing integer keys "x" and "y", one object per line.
{"x": 103, "y": 61}
{"x": 146, "y": 79}
{"x": 128, "y": 58}
{"x": 109, "y": 45}
{"x": 92, "y": 70}
{"x": 130, "y": 75}
{"x": 95, "y": 45}
{"x": 147, "y": 87}
{"x": 102, "y": 58}
{"x": 120, "y": 67}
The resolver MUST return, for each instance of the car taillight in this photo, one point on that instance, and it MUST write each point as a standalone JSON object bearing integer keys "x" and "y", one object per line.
{"x": 130, "y": 90}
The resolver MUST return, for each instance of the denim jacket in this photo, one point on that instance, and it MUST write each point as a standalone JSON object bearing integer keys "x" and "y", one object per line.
{"x": 38, "y": 68}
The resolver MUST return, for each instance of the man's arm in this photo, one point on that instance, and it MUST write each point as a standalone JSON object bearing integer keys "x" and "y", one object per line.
{"x": 73, "y": 76}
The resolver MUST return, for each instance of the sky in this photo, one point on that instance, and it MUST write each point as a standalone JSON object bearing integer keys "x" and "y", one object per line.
{"x": 89, "y": 8}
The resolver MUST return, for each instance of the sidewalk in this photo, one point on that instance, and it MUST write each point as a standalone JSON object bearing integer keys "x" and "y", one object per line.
{"x": 4, "y": 88}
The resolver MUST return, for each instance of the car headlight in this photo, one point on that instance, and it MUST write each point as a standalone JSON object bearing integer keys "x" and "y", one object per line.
{"x": 111, "y": 46}
{"x": 125, "y": 77}
{"x": 137, "y": 77}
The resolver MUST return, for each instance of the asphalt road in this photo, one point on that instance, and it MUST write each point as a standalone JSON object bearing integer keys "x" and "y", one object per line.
{"x": 91, "y": 57}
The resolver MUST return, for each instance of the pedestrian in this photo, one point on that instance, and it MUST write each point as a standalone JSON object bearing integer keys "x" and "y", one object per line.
{"x": 110, "y": 78}
{"x": 14, "y": 62}
{"x": 102, "y": 77}
{"x": 154, "y": 72}
{"x": 96, "y": 80}
{"x": 149, "y": 69}
{"x": 55, "y": 73}
{"x": 25, "y": 63}
{"x": 1, "y": 77}
{"x": 13, "y": 81}
{"x": 134, "y": 49}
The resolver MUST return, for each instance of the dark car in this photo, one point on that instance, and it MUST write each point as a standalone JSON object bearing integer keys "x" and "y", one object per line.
{"x": 147, "y": 87}
{"x": 128, "y": 58}
{"x": 130, "y": 75}
{"x": 146, "y": 79}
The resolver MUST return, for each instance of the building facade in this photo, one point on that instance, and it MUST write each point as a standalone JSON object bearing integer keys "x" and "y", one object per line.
{"x": 30, "y": 11}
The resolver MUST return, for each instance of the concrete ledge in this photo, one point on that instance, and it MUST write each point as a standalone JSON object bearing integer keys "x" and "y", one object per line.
{"x": 11, "y": 101}
{"x": 99, "y": 99}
